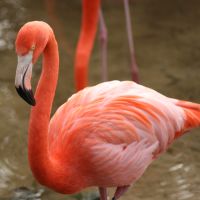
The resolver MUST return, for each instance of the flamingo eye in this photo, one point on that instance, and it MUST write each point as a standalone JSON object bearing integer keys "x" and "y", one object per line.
{"x": 33, "y": 47}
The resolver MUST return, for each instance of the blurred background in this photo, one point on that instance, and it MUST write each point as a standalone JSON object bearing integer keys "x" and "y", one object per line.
{"x": 167, "y": 44}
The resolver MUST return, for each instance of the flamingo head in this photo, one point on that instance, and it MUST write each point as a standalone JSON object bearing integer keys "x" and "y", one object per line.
{"x": 31, "y": 41}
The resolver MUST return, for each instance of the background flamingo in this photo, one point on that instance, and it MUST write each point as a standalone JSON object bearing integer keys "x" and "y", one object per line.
{"x": 90, "y": 18}
{"x": 104, "y": 40}
{"x": 105, "y": 136}
{"x": 134, "y": 66}
{"x": 91, "y": 15}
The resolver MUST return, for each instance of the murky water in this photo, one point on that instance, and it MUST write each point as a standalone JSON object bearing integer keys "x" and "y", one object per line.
{"x": 167, "y": 40}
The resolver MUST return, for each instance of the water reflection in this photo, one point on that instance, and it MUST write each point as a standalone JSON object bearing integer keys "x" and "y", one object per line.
{"x": 24, "y": 193}
{"x": 182, "y": 184}
{"x": 167, "y": 50}
{"x": 12, "y": 143}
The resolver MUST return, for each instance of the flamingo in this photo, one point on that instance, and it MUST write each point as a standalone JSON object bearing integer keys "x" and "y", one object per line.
{"x": 105, "y": 136}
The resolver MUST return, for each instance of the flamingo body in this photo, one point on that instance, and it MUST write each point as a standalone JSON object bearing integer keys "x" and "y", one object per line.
{"x": 114, "y": 129}
{"x": 105, "y": 135}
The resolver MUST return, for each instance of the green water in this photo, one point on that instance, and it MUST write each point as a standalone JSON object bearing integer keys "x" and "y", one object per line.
{"x": 167, "y": 41}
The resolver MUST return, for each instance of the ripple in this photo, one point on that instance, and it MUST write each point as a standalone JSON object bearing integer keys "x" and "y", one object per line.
{"x": 5, "y": 174}
{"x": 24, "y": 193}
{"x": 176, "y": 167}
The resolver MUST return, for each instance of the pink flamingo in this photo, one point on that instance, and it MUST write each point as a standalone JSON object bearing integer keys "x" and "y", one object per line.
{"x": 106, "y": 135}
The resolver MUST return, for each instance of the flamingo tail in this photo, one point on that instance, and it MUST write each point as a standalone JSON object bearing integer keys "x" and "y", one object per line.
{"x": 192, "y": 113}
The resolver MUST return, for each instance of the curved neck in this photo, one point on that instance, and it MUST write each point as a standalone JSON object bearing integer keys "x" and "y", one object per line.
{"x": 89, "y": 23}
{"x": 40, "y": 114}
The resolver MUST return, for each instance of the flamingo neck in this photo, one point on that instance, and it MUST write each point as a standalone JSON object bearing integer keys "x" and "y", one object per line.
{"x": 38, "y": 152}
{"x": 89, "y": 23}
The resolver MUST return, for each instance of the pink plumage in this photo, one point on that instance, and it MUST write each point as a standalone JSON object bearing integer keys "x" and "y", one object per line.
{"x": 116, "y": 129}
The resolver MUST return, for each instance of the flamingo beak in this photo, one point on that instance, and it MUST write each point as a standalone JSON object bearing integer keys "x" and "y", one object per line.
{"x": 23, "y": 78}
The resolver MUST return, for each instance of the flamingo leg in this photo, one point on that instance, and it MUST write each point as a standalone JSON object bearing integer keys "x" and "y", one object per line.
{"x": 134, "y": 66}
{"x": 120, "y": 191}
{"x": 103, "y": 193}
{"x": 103, "y": 37}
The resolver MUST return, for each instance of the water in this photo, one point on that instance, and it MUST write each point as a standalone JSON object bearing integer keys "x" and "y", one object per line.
{"x": 167, "y": 48}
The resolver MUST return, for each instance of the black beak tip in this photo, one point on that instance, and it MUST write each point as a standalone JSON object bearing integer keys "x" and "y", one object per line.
{"x": 27, "y": 95}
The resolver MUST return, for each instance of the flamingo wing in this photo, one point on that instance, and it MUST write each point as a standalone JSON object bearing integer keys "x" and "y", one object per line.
{"x": 121, "y": 164}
